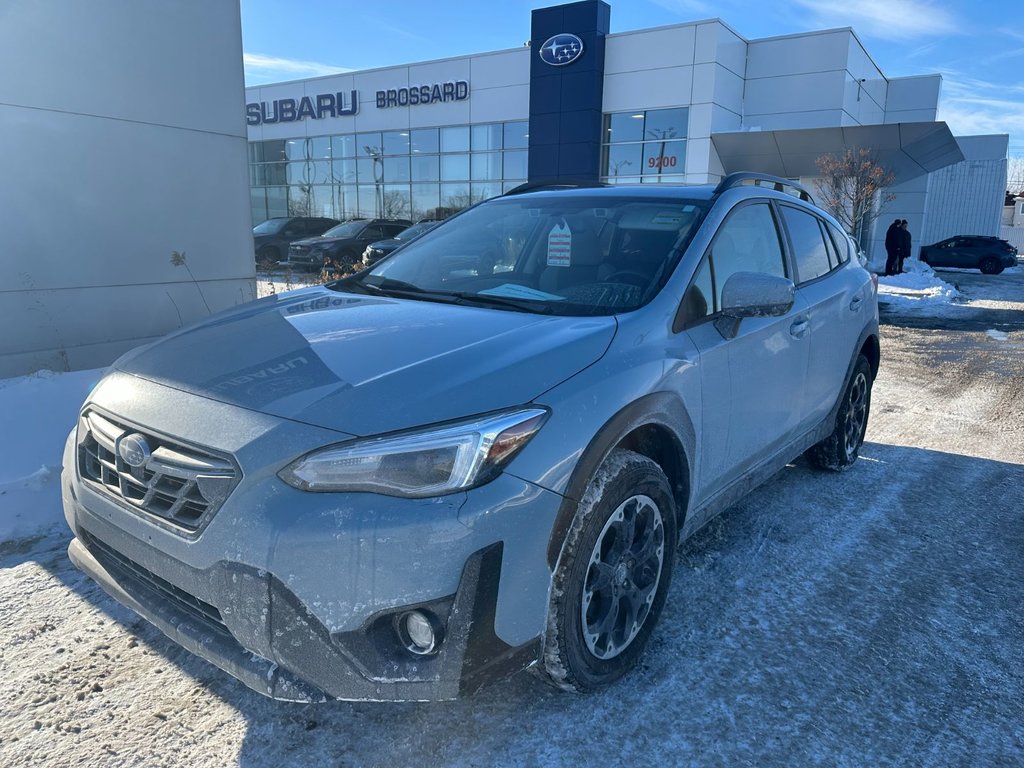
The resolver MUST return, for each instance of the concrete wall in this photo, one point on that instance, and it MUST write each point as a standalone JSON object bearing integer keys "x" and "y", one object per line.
{"x": 125, "y": 134}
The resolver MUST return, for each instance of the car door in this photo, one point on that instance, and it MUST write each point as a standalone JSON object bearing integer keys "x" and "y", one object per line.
{"x": 750, "y": 383}
{"x": 836, "y": 302}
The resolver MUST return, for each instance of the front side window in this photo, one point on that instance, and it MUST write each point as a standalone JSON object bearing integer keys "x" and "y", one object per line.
{"x": 809, "y": 250}
{"x": 563, "y": 255}
{"x": 748, "y": 241}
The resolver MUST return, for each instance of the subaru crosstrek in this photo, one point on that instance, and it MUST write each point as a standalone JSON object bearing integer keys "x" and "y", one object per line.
{"x": 480, "y": 455}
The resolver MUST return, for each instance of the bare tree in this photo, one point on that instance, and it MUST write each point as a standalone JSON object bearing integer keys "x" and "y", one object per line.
{"x": 394, "y": 205}
{"x": 852, "y": 188}
{"x": 1015, "y": 174}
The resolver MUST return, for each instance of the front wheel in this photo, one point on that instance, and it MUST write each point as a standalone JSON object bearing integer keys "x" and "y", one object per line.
{"x": 838, "y": 452}
{"x": 612, "y": 577}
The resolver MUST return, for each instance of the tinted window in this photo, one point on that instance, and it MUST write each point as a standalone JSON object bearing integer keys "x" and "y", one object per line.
{"x": 808, "y": 245}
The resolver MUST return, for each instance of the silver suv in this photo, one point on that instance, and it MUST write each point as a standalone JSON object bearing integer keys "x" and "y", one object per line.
{"x": 479, "y": 455}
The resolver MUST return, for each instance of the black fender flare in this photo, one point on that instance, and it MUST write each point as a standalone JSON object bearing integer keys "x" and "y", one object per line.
{"x": 659, "y": 409}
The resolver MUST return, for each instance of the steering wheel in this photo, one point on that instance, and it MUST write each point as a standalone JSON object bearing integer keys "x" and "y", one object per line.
{"x": 629, "y": 277}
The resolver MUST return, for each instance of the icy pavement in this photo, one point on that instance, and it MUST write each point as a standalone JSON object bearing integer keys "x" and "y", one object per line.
{"x": 862, "y": 619}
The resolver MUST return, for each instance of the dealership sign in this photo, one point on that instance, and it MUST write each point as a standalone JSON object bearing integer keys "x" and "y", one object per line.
{"x": 342, "y": 104}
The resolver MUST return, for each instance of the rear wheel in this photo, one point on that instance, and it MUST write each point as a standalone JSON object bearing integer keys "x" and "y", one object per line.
{"x": 839, "y": 451}
{"x": 990, "y": 266}
{"x": 612, "y": 576}
{"x": 268, "y": 254}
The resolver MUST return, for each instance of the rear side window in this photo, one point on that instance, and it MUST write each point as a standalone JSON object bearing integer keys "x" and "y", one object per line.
{"x": 809, "y": 250}
{"x": 748, "y": 241}
{"x": 842, "y": 243}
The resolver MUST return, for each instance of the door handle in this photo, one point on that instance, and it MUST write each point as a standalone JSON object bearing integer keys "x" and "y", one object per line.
{"x": 855, "y": 303}
{"x": 799, "y": 328}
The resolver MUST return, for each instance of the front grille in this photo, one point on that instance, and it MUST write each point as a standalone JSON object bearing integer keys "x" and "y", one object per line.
{"x": 179, "y": 598}
{"x": 173, "y": 483}
{"x": 298, "y": 250}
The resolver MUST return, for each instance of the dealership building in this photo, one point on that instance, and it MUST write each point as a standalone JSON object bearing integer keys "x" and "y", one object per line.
{"x": 686, "y": 103}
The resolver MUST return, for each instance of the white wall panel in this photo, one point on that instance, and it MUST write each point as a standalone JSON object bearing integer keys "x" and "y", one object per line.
{"x": 648, "y": 90}
{"x": 498, "y": 104}
{"x": 797, "y": 54}
{"x": 137, "y": 149}
{"x": 649, "y": 49}
{"x": 794, "y": 94}
{"x": 500, "y": 69}
{"x": 177, "y": 63}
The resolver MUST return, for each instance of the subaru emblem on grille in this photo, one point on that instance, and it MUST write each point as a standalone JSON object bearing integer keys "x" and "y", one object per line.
{"x": 134, "y": 450}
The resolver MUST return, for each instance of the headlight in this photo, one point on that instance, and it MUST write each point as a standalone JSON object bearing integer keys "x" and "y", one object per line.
{"x": 427, "y": 462}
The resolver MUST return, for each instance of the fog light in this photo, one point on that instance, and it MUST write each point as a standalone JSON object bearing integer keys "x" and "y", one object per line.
{"x": 418, "y": 633}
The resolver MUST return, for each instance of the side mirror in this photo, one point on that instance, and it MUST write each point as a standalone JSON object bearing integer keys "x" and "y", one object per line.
{"x": 753, "y": 294}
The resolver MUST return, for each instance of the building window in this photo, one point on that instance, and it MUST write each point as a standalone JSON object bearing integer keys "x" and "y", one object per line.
{"x": 393, "y": 174}
{"x": 644, "y": 146}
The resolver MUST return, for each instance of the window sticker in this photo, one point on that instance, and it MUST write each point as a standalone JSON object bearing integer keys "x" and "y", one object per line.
{"x": 559, "y": 245}
{"x": 668, "y": 217}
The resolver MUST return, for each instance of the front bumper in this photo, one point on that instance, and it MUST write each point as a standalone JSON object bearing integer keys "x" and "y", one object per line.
{"x": 365, "y": 665}
{"x": 296, "y": 593}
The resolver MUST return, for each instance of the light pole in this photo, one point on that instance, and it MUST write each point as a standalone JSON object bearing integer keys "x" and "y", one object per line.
{"x": 378, "y": 163}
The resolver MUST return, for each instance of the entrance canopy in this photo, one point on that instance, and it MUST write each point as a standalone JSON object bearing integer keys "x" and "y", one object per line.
{"x": 907, "y": 149}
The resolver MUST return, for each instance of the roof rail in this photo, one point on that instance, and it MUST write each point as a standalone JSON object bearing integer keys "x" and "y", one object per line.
{"x": 764, "y": 180}
{"x": 533, "y": 186}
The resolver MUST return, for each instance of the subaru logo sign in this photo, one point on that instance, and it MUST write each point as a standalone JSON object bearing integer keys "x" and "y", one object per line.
{"x": 561, "y": 50}
{"x": 134, "y": 450}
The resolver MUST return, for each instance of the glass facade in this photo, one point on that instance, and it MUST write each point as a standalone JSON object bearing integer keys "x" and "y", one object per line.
{"x": 644, "y": 146}
{"x": 403, "y": 174}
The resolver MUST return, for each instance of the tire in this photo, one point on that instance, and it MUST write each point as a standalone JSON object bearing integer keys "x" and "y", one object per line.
{"x": 268, "y": 253}
{"x": 990, "y": 266}
{"x": 838, "y": 452}
{"x": 606, "y": 598}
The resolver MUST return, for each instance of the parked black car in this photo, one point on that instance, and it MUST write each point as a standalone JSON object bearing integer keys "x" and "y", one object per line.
{"x": 343, "y": 245}
{"x": 273, "y": 236}
{"x": 376, "y": 251}
{"x": 989, "y": 254}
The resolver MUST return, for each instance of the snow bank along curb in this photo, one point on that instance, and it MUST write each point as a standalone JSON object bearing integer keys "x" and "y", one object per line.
{"x": 918, "y": 286}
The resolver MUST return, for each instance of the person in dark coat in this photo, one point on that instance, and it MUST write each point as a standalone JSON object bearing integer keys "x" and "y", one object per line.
{"x": 892, "y": 247}
{"x": 904, "y": 250}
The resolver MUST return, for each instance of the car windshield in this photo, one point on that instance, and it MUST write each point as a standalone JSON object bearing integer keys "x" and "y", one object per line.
{"x": 415, "y": 230}
{"x": 563, "y": 255}
{"x": 269, "y": 227}
{"x": 348, "y": 229}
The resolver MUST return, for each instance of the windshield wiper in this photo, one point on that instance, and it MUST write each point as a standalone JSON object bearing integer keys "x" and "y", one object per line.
{"x": 503, "y": 302}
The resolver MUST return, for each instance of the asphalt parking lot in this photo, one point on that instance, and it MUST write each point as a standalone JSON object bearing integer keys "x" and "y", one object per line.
{"x": 868, "y": 618}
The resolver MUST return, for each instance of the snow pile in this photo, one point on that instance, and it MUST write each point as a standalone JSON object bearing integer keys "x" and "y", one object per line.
{"x": 997, "y": 335}
{"x": 36, "y": 413}
{"x": 917, "y": 286}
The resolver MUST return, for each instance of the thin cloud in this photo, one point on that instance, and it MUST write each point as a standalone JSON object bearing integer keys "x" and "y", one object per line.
{"x": 971, "y": 106}
{"x": 884, "y": 19}
{"x": 260, "y": 69}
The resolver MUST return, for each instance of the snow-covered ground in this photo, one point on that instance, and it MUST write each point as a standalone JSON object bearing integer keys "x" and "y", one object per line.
{"x": 866, "y": 618}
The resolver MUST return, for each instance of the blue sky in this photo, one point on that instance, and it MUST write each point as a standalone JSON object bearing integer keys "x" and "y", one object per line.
{"x": 977, "y": 46}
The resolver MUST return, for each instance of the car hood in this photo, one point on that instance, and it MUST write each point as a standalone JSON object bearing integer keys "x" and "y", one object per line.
{"x": 366, "y": 364}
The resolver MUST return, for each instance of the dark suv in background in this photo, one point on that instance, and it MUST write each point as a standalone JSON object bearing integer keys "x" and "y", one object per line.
{"x": 271, "y": 238}
{"x": 376, "y": 251}
{"x": 989, "y": 254}
{"x": 344, "y": 244}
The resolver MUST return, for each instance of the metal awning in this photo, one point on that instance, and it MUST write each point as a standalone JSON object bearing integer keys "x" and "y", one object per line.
{"x": 907, "y": 149}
